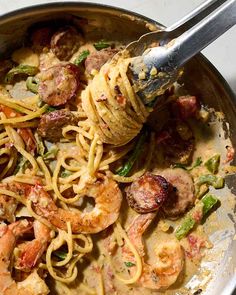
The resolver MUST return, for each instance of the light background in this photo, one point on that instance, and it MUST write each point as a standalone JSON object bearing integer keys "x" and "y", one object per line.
{"x": 221, "y": 53}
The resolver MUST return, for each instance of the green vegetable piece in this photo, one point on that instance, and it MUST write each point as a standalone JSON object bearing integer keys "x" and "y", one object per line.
{"x": 81, "y": 57}
{"x": 21, "y": 166}
{"x": 50, "y": 109}
{"x": 179, "y": 165}
{"x": 129, "y": 263}
{"x": 21, "y": 69}
{"x": 66, "y": 173}
{"x": 123, "y": 171}
{"x": 32, "y": 84}
{"x": 208, "y": 202}
{"x": 101, "y": 45}
{"x": 197, "y": 163}
{"x": 216, "y": 182}
{"x": 204, "y": 206}
{"x": 185, "y": 227}
{"x": 40, "y": 145}
{"x": 60, "y": 254}
{"x": 213, "y": 164}
{"x": 51, "y": 154}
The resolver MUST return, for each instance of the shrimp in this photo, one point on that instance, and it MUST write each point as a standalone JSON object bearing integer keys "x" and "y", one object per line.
{"x": 169, "y": 256}
{"x": 31, "y": 251}
{"x": 33, "y": 284}
{"x": 107, "y": 196}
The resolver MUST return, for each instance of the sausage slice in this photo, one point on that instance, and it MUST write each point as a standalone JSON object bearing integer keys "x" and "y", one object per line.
{"x": 183, "y": 195}
{"x": 97, "y": 59}
{"x": 58, "y": 84}
{"x": 51, "y": 124}
{"x": 65, "y": 42}
{"x": 148, "y": 193}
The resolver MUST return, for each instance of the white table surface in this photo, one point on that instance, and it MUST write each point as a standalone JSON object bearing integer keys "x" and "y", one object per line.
{"x": 221, "y": 53}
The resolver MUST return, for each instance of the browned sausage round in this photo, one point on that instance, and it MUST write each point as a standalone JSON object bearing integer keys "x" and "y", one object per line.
{"x": 58, "y": 84}
{"x": 183, "y": 196}
{"x": 51, "y": 124}
{"x": 148, "y": 193}
{"x": 41, "y": 36}
{"x": 97, "y": 59}
{"x": 65, "y": 42}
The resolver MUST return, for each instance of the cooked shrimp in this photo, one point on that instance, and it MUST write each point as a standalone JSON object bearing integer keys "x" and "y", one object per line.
{"x": 107, "y": 196}
{"x": 168, "y": 266}
{"x": 8, "y": 238}
{"x": 169, "y": 256}
{"x": 30, "y": 252}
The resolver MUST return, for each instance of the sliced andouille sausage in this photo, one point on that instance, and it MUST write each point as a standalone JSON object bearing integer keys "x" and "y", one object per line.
{"x": 40, "y": 34}
{"x": 97, "y": 59}
{"x": 51, "y": 124}
{"x": 65, "y": 42}
{"x": 177, "y": 141}
{"x": 147, "y": 193}
{"x": 182, "y": 196}
{"x": 58, "y": 84}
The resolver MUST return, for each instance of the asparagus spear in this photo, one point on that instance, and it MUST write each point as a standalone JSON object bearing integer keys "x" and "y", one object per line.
{"x": 216, "y": 182}
{"x": 195, "y": 215}
{"x": 213, "y": 163}
{"x": 101, "y": 45}
{"x": 123, "y": 171}
{"x": 21, "y": 69}
{"x": 32, "y": 84}
{"x": 81, "y": 57}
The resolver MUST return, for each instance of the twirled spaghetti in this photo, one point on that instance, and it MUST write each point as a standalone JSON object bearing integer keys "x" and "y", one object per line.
{"x": 112, "y": 106}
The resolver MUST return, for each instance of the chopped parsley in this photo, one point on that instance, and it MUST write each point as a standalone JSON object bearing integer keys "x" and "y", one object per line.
{"x": 129, "y": 263}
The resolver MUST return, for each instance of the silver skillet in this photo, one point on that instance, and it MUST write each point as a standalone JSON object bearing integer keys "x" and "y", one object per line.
{"x": 200, "y": 78}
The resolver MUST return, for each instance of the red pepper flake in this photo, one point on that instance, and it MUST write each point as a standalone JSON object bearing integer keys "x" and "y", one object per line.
{"x": 121, "y": 100}
{"x": 101, "y": 98}
{"x": 197, "y": 216}
{"x": 97, "y": 269}
{"x": 230, "y": 154}
{"x": 195, "y": 243}
{"x": 9, "y": 145}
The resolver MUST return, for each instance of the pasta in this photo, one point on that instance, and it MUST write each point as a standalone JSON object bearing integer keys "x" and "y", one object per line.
{"x": 82, "y": 176}
{"x": 117, "y": 118}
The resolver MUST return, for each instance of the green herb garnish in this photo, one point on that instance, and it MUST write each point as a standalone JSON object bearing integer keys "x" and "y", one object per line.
{"x": 52, "y": 153}
{"x": 66, "y": 173}
{"x": 60, "y": 254}
{"x": 129, "y": 263}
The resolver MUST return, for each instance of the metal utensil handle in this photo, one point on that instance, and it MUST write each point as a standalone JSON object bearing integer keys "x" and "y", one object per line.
{"x": 194, "y": 16}
{"x": 206, "y": 31}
